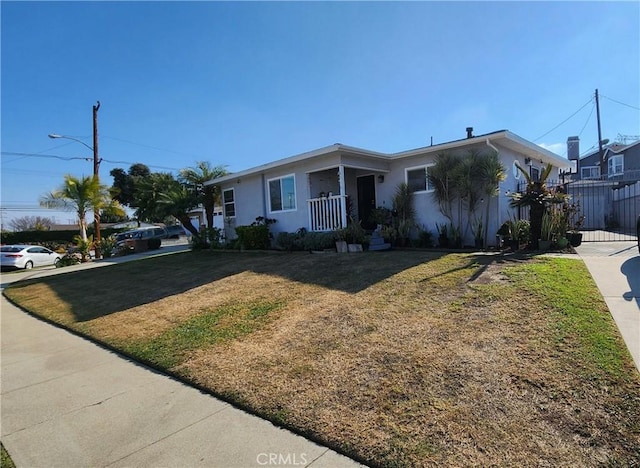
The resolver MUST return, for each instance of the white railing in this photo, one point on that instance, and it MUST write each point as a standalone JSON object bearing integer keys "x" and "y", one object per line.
{"x": 326, "y": 213}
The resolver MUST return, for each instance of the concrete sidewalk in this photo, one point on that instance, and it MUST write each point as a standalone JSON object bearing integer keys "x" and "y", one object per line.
{"x": 68, "y": 402}
{"x": 615, "y": 267}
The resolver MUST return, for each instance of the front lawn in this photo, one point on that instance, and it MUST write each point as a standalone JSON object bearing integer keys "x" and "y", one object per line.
{"x": 396, "y": 358}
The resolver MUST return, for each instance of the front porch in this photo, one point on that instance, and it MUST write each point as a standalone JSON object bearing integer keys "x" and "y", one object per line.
{"x": 327, "y": 213}
{"x": 336, "y": 194}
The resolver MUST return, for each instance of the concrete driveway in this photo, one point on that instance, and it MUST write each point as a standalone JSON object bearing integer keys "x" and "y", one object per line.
{"x": 615, "y": 267}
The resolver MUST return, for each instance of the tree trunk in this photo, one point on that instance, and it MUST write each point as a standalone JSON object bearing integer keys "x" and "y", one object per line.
{"x": 188, "y": 225}
{"x": 208, "y": 210}
{"x": 536, "y": 212}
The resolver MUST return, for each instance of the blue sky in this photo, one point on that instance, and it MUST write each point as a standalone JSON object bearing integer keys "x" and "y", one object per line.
{"x": 242, "y": 84}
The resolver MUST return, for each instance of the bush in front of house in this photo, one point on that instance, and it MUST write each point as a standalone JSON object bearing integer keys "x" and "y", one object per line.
{"x": 302, "y": 240}
{"x": 256, "y": 236}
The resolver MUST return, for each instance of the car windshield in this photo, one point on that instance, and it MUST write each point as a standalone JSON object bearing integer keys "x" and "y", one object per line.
{"x": 10, "y": 248}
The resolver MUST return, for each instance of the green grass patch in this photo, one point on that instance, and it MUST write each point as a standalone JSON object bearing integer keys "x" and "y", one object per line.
{"x": 209, "y": 328}
{"x": 580, "y": 318}
{"x": 5, "y": 459}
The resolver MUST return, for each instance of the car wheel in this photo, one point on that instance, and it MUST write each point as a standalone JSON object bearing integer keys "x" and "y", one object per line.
{"x": 28, "y": 265}
{"x": 56, "y": 262}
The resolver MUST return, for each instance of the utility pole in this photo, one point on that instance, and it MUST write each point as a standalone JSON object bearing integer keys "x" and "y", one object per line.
{"x": 96, "y": 175}
{"x": 603, "y": 166}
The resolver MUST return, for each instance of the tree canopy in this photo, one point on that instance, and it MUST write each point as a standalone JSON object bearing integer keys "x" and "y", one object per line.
{"x": 81, "y": 195}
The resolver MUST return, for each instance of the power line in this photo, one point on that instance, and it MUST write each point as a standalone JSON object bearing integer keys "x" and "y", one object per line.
{"x": 64, "y": 158}
{"x": 588, "y": 118}
{"x": 621, "y": 103}
{"x": 565, "y": 120}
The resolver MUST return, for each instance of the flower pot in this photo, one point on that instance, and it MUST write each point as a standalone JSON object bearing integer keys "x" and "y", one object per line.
{"x": 544, "y": 244}
{"x": 575, "y": 238}
{"x": 341, "y": 246}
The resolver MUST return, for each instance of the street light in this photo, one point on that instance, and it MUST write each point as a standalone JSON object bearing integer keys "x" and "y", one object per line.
{"x": 96, "y": 170}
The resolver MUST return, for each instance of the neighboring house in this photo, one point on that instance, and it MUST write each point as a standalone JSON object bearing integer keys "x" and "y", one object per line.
{"x": 198, "y": 217}
{"x": 622, "y": 161}
{"x": 317, "y": 190}
{"x": 610, "y": 201}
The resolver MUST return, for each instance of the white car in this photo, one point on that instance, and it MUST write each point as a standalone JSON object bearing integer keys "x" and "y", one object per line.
{"x": 27, "y": 256}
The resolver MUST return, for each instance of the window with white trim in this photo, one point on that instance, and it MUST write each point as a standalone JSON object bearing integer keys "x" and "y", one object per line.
{"x": 282, "y": 193}
{"x": 615, "y": 165}
{"x": 417, "y": 179}
{"x": 229, "y": 202}
{"x": 590, "y": 172}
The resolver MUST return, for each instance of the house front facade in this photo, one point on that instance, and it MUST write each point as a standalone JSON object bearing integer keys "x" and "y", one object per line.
{"x": 321, "y": 189}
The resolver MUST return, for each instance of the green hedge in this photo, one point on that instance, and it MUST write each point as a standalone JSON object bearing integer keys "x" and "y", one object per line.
{"x": 253, "y": 237}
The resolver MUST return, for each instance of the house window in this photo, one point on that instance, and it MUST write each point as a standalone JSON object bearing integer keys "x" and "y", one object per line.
{"x": 590, "y": 172}
{"x": 535, "y": 174}
{"x": 229, "y": 202}
{"x": 282, "y": 193}
{"x": 417, "y": 179}
{"x": 616, "y": 165}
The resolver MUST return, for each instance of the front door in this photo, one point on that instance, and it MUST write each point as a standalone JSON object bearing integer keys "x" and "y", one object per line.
{"x": 366, "y": 200}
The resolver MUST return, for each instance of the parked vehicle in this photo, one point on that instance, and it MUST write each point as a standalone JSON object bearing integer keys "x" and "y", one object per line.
{"x": 27, "y": 256}
{"x": 141, "y": 234}
{"x": 175, "y": 231}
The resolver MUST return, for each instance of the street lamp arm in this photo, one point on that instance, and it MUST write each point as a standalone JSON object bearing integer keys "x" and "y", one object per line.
{"x": 55, "y": 135}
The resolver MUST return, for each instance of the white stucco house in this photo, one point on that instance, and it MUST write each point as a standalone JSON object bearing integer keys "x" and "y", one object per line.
{"x": 312, "y": 190}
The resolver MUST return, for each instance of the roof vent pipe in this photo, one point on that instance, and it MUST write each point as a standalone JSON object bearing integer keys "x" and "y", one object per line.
{"x": 469, "y": 132}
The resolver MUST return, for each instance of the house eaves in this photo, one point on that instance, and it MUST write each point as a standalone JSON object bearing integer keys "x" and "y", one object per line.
{"x": 335, "y": 148}
{"x": 503, "y": 137}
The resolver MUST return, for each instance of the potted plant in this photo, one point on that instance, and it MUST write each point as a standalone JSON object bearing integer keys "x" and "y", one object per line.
{"x": 575, "y": 221}
{"x": 546, "y": 232}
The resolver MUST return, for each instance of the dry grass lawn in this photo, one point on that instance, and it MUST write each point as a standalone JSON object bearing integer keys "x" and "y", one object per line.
{"x": 395, "y": 358}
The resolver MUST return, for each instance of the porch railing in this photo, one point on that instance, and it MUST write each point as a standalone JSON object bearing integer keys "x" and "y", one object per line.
{"x": 326, "y": 213}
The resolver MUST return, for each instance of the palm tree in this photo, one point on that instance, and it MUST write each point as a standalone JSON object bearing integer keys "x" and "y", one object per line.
{"x": 537, "y": 197}
{"x": 81, "y": 195}
{"x": 442, "y": 178}
{"x": 161, "y": 196}
{"x": 178, "y": 200}
{"x": 209, "y": 194}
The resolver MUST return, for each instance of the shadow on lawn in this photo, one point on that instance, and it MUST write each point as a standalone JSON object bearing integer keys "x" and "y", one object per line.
{"x": 484, "y": 261}
{"x": 102, "y": 291}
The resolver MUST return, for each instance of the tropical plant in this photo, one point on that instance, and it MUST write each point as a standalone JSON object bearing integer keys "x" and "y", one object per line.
{"x": 443, "y": 235}
{"x": 160, "y": 196}
{"x": 403, "y": 207}
{"x": 381, "y": 216}
{"x": 443, "y": 179}
{"x": 461, "y": 182}
{"x": 108, "y": 245}
{"x": 537, "y": 196}
{"x": 547, "y": 227}
{"x": 209, "y": 195}
{"x": 81, "y": 195}
{"x": 84, "y": 247}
